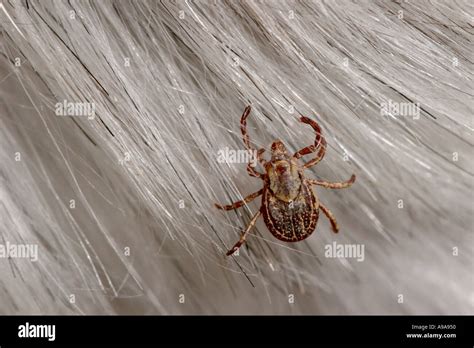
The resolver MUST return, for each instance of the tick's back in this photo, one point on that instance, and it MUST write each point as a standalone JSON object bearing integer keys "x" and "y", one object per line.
{"x": 294, "y": 221}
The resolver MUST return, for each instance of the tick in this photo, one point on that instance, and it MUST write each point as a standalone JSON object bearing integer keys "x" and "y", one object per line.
{"x": 289, "y": 206}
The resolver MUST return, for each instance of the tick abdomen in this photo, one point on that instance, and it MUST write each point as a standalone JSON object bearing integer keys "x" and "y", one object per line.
{"x": 291, "y": 221}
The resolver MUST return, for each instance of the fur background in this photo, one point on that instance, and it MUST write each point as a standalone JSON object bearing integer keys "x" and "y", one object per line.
{"x": 121, "y": 205}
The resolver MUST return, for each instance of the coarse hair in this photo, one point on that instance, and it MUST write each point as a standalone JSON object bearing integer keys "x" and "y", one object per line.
{"x": 120, "y": 201}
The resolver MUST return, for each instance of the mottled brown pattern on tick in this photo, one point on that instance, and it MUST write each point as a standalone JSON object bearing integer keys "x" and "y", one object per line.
{"x": 291, "y": 222}
{"x": 289, "y": 207}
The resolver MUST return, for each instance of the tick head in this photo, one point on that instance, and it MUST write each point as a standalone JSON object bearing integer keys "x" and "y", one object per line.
{"x": 278, "y": 149}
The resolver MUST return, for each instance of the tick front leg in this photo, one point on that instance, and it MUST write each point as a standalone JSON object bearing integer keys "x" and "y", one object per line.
{"x": 244, "y": 235}
{"x": 238, "y": 204}
{"x": 251, "y": 170}
{"x": 243, "y": 127}
{"x": 331, "y": 217}
{"x": 317, "y": 142}
{"x": 245, "y": 135}
{"x": 319, "y": 156}
{"x": 333, "y": 185}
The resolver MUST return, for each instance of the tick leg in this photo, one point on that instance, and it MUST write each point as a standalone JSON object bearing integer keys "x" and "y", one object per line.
{"x": 319, "y": 156}
{"x": 245, "y": 135}
{"x": 251, "y": 170}
{"x": 333, "y": 185}
{"x": 238, "y": 204}
{"x": 244, "y": 235}
{"x": 243, "y": 127}
{"x": 319, "y": 142}
{"x": 331, "y": 217}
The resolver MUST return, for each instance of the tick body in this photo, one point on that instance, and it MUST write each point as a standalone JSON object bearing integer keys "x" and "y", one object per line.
{"x": 290, "y": 208}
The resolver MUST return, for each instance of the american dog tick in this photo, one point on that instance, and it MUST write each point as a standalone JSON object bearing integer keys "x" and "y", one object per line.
{"x": 289, "y": 207}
